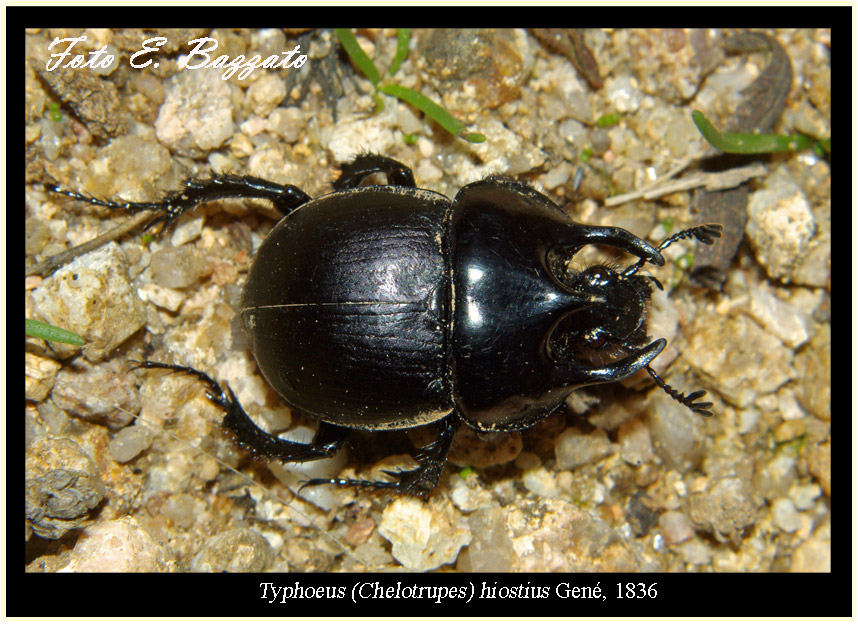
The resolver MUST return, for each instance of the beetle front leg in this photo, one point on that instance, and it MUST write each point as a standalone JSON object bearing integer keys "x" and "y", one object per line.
{"x": 327, "y": 441}
{"x": 284, "y": 197}
{"x": 365, "y": 165}
{"x": 420, "y": 481}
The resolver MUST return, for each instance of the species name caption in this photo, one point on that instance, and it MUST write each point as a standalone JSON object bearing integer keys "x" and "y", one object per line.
{"x": 374, "y": 590}
{"x": 199, "y": 57}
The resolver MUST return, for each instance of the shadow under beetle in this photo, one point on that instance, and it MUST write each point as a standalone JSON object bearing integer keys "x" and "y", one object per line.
{"x": 391, "y": 307}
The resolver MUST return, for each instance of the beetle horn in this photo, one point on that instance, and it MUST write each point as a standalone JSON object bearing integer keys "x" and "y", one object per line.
{"x": 575, "y": 238}
{"x": 577, "y": 375}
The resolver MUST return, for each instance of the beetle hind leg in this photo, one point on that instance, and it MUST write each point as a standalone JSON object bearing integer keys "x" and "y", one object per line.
{"x": 285, "y": 197}
{"x": 422, "y": 480}
{"x": 327, "y": 441}
{"x": 365, "y": 165}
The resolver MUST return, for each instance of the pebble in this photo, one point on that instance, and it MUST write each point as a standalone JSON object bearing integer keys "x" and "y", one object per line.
{"x": 813, "y": 555}
{"x": 541, "y": 482}
{"x": 105, "y": 395}
{"x": 264, "y": 95}
{"x": 236, "y": 550}
{"x": 819, "y": 465}
{"x": 757, "y": 363}
{"x": 177, "y": 267}
{"x": 804, "y": 496}
{"x": 62, "y": 486}
{"x": 813, "y": 366}
{"x": 785, "y": 515}
{"x": 774, "y": 478}
{"x": 635, "y": 443}
{"x": 129, "y": 443}
{"x": 424, "y": 535}
{"x": 39, "y": 376}
{"x": 780, "y": 318}
{"x": 675, "y": 527}
{"x": 93, "y": 297}
{"x": 120, "y": 546}
{"x": 780, "y": 225}
{"x": 491, "y": 549}
{"x": 623, "y": 94}
{"x": 197, "y": 113}
{"x": 724, "y": 509}
{"x": 677, "y": 436}
{"x": 575, "y": 448}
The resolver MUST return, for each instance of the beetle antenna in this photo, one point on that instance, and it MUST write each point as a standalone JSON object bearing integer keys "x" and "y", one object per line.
{"x": 706, "y": 234}
{"x": 688, "y": 400}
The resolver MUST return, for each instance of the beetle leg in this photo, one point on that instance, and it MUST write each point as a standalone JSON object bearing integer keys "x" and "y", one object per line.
{"x": 365, "y": 165}
{"x": 326, "y": 442}
{"x": 420, "y": 481}
{"x": 284, "y": 197}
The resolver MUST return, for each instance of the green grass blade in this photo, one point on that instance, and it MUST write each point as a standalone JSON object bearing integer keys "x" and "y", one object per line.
{"x": 403, "y": 37}
{"x": 746, "y": 142}
{"x": 38, "y": 329}
{"x": 357, "y": 55}
{"x": 433, "y": 110}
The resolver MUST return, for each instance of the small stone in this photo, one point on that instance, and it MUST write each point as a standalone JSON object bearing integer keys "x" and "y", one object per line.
{"x": 780, "y": 225}
{"x": 186, "y": 229}
{"x": 197, "y": 114}
{"x": 424, "y": 535}
{"x": 677, "y": 437}
{"x": 93, "y": 297}
{"x": 813, "y": 555}
{"x": 789, "y": 430}
{"x": 623, "y": 94}
{"x": 819, "y": 465}
{"x": 237, "y": 550}
{"x": 574, "y": 448}
{"x": 129, "y": 443}
{"x": 724, "y": 508}
{"x": 752, "y": 361}
{"x": 774, "y": 478}
{"x": 675, "y": 527}
{"x": 39, "y": 376}
{"x": 120, "y": 546}
{"x": 635, "y": 443}
{"x": 540, "y": 482}
{"x": 287, "y": 123}
{"x": 785, "y": 516}
{"x": 356, "y": 135}
{"x": 491, "y": 550}
{"x": 804, "y": 496}
{"x": 780, "y": 318}
{"x": 62, "y": 486}
{"x": 167, "y": 298}
{"x": 177, "y": 267}
{"x": 813, "y": 364}
{"x": 104, "y": 394}
{"x": 265, "y": 94}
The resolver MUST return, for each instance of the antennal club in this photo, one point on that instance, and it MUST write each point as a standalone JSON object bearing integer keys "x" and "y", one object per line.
{"x": 706, "y": 234}
{"x": 688, "y": 400}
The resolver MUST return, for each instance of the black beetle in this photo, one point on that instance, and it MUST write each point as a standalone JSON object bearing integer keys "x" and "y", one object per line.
{"x": 390, "y": 307}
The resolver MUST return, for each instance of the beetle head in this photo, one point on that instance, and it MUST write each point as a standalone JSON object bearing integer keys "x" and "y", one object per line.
{"x": 613, "y": 326}
{"x": 617, "y": 317}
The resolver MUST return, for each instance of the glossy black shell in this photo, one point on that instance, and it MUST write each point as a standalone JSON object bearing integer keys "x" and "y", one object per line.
{"x": 347, "y": 306}
{"x": 388, "y": 307}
